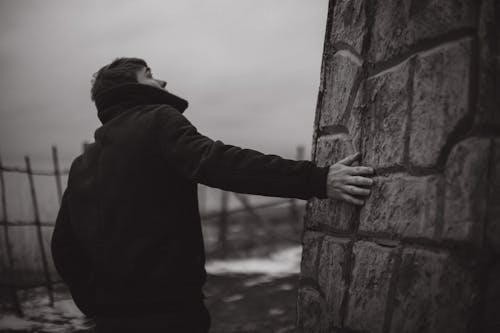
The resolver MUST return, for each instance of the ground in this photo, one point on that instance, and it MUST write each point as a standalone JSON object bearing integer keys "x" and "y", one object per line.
{"x": 261, "y": 299}
{"x": 262, "y": 307}
{"x": 252, "y": 288}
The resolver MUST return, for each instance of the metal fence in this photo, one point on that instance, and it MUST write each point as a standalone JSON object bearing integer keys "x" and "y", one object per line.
{"x": 26, "y": 229}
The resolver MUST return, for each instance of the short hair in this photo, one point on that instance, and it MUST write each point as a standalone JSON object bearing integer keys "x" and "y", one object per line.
{"x": 120, "y": 71}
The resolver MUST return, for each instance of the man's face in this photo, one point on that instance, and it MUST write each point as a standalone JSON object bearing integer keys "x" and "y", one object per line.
{"x": 144, "y": 76}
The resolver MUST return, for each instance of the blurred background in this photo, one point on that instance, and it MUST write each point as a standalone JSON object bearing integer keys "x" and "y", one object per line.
{"x": 250, "y": 70}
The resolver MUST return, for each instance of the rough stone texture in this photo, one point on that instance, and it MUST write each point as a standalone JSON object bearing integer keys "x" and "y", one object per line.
{"x": 310, "y": 310}
{"x": 332, "y": 213}
{"x": 341, "y": 73}
{"x": 402, "y": 205}
{"x": 385, "y": 118}
{"x": 491, "y": 319}
{"x": 422, "y": 78}
{"x": 349, "y": 23}
{"x": 332, "y": 277}
{"x": 369, "y": 287}
{"x": 493, "y": 220}
{"x": 398, "y": 25}
{"x": 431, "y": 287}
{"x": 440, "y": 99}
{"x": 466, "y": 189}
{"x": 390, "y": 33}
{"x": 433, "y": 18}
{"x": 487, "y": 115}
{"x": 311, "y": 242}
{"x": 357, "y": 114}
{"x": 495, "y": 31}
{"x": 333, "y": 148}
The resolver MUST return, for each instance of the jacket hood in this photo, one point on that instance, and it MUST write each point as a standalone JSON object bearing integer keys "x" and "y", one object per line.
{"x": 112, "y": 101}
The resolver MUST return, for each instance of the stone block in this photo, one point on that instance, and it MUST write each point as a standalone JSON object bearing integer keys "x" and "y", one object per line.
{"x": 466, "y": 189}
{"x": 493, "y": 220}
{"x": 391, "y": 33}
{"x": 433, "y": 18}
{"x": 310, "y": 310}
{"x": 357, "y": 113}
{"x": 385, "y": 117}
{"x": 440, "y": 99}
{"x": 310, "y": 245}
{"x": 434, "y": 293}
{"x": 402, "y": 205}
{"x": 371, "y": 275}
{"x": 332, "y": 148}
{"x": 340, "y": 75}
{"x": 399, "y": 25}
{"x": 349, "y": 23}
{"x": 332, "y": 277}
{"x": 333, "y": 213}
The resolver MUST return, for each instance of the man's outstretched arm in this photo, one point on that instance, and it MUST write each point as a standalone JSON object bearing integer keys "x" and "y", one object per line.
{"x": 236, "y": 169}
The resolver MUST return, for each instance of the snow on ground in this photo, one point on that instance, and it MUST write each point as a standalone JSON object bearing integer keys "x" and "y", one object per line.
{"x": 39, "y": 316}
{"x": 279, "y": 264}
{"x": 15, "y": 323}
{"x": 64, "y": 316}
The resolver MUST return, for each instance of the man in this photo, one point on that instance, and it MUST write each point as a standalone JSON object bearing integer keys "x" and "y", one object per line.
{"x": 128, "y": 239}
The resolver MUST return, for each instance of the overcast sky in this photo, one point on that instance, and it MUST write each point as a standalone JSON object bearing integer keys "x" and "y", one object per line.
{"x": 250, "y": 69}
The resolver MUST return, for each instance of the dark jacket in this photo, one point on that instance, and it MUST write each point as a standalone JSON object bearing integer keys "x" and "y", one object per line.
{"x": 128, "y": 235}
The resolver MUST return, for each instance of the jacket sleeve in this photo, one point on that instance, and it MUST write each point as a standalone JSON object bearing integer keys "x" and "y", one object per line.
{"x": 70, "y": 261}
{"x": 232, "y": 168}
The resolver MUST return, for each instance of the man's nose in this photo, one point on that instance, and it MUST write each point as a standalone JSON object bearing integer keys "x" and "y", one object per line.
{"x": 163, "y": 84}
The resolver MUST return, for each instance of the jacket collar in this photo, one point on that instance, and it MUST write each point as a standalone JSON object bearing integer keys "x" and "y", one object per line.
{"x": 112, "y": 101}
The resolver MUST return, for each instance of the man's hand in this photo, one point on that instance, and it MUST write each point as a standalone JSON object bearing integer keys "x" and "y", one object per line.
{"x": 347, "y": 183}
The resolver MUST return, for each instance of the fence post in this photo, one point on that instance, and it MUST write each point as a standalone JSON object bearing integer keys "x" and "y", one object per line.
{"x": 39, "y": 230}
{"x": 264, "y": 223}
{"x": 294, "y": 213}
{"x": 10, "y": 258}
{"x": 57, "y": 172}
{"x": 223, "y": 224}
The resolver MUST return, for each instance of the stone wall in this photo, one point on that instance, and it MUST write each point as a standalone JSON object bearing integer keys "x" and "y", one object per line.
{"x": 412, "y": 85}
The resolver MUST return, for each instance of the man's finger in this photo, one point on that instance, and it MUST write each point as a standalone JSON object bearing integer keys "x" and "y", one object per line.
{"x": 354, "y": 190}
{"x": 350, "y": 159}
{"x": 359, "y": 181}
{"x": 353, "y": 200}
{"x": 361, "y": 170}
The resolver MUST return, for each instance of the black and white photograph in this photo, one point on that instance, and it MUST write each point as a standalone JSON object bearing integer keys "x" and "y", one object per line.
{"x": 264, "y": 166}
